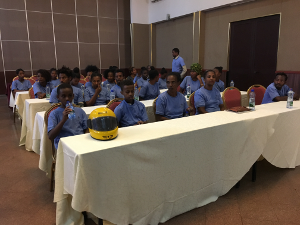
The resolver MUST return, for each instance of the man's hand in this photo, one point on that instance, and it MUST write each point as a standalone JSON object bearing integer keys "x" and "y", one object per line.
{"x": 98, "y": 89}
{"x": 41, "y": 95}
{"x": 191, "y": 110}
{"x": 66, "y": 113}
{"x": 140, "y": 122}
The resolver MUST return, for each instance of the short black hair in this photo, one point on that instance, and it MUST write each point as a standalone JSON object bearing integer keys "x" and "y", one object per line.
{"x": 96, "y": 75}
{"x": 153, "y": 74}
{"x": 176, "y": 50}
{"x": 106, "y": 72}
{"x": 125, "y": 83}
{"x": 76, "y": 70}
{"x": 207, "y": 71}
{"x": 143, "y": 69}
{"x": 163, "y": 71}
{"x": 75, "y": 75}
{"x": 175, "y": 74}
{"x": 63, "y": 86}
{"x": 282, "y": 74}
{"x": 152, "y": 67}
{"x": 65, "y": 70}
{"x": 52, "y": 69}
{"x": 220, "y": 68}
{"x": 119, "y": 71}
{"x": 18, "y": 71}
{"x": 131, "y": 69}
{"x": 91, "y": 68}
{"x": 45, "y": 74}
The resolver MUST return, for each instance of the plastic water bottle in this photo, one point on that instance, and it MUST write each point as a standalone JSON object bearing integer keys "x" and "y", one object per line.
{"x": 188, "y": 91}
{"x": 290, "y": 99}
{"x": 72, "y": 113}
{"x": 108, "y": 87}
{"x": 136, "y": 93}
{"x": 112, "y": 95}
{"x": 47, "y": 92}
{"x": 82, "y": 89}
{"x": 252, "y": 100}
{"x": 231, "y": 83}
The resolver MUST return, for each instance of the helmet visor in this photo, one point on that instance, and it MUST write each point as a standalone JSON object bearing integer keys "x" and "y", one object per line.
{"x": 105, "y": 123}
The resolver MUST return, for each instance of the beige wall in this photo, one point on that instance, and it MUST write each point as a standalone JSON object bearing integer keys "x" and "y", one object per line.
{"x": 217, "y": 23}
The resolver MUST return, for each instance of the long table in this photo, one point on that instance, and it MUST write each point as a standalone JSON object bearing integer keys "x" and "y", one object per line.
{"x": 19, "y": 101}
{"x": 153, "y": 172}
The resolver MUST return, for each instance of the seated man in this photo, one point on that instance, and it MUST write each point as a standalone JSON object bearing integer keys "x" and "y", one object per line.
{"x": 96, "y": 94}
{"x": 171, "y": 104}
{"x": 208, "y": 98}
{"x": 130, "y": 112}
{"x": 75, "y": 80}
{"x": 21, "y": 84}
{"x": 119, "y": 78}
{"x": 150, "y": 89}
{"x": 39, "y": 88}
{"x": 162, "y": 80}
{"x": 54, "y": 81}
{"x": 65, "y": 76}
{"x": 144, "y": 78}
{"x": 90, "y": 69}
{"x": 278, "y": 90}
{"x": 59, "y": 124}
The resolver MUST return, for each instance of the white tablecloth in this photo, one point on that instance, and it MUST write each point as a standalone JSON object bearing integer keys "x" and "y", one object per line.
{"x": 19, "y": 101}
{"x": 153, "y": 172}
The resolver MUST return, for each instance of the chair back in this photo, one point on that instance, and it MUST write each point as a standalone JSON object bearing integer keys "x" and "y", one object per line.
{"x": 31, "y": 93}
{"x": 154, "y": 107}
{"x": 32, "y": 80}
{"x": 82, "y": 81}
{"x": 231, "y": 97}
{"x": 192, "y": 101}
{"x": 86, "y": 79}
{"x": 114, "y": 103}
{"x": 103, "y": 79}
{"x": 259, "y": 93}
{"x": 178, "y": 88}
{"x": 16, "y": 78}
{"x": 34, "y": 77}
{"x": 81, "y": 77}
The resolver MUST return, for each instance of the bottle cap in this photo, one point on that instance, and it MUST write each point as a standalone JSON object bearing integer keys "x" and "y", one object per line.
{"x": 111, "y": 90}
{"x": 68, "y": 102}
{"x": 252, "y": 90}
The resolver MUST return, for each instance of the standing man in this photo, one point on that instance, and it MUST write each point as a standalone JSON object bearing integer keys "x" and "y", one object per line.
{"x": 178, "y": 64}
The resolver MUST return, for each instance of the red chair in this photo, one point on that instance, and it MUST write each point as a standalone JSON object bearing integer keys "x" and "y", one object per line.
{"x": 114, "y": 103}
{"x": 81, "y": 77}
{"x": 34, "y": 77}
{"x": 259, "y": 93}
{"x": 31, "y": 93}
{"x": 82, "y": 81}
{"x": 32, "y": 80}
{"x": 231, "y": 97}
{"x": 103, "y": 79}
{"x": 16, "y": 78}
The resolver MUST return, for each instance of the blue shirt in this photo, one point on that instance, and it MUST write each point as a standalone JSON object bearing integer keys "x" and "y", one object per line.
{"x": 79, "y": 85}
{"x": 21, "y": 86}
{"x": 162, "y": 83}
{"x": 211, "y": 100}
{"x": 102, "y": 98}
{"x": 195, "y": 85}
{"x": 39, "y": 88}
{"x": 77, "y": 95}
{"x": 129, "y": 115}
{"x": 171, "y": 107}
{"x": 141, "y": 82}
{"x": 177, "y": 64}
{"x": 55, "y": 83}
{"x": 105, "y": 83}
{"x": 272, "y": 92}
{"x": 136, "y": 78}
{"x": 149, "y": 91}
{"x": 72, "y": 127}
{"x": 220, "y": 86}
{"x": 117, "y": 90}
{"x": 88, "y": 84}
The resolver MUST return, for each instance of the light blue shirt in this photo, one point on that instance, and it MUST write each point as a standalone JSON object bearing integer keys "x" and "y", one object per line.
{"x": 76, "y": 126}
{"x": 129, "y": 115}
{"x": 171, "y": 107}
{"x": 220, "y": 86}
{"x": 55, "y": 83}
{"x": 79, "y": 85}
{"x": 117, "y": 90}
{"x": 149, "y": 91}
{"x": 77, "y": 95}
{"x": 141, "y": 82}
{"x": 195, "y": 85}
{"x": 88, "y": 84}
{"x": 177, "y": 64}
{"x": 39, "y": 88}
{"x": 211, "y": 100}
{"x": 105, "y": 83}
{"x": 162, "y": 83}
{"x": 136, "y": 78}
{"x": 21, "y": 86}
{"x": 272, "y": 92}
{"x": 102, "y": 98}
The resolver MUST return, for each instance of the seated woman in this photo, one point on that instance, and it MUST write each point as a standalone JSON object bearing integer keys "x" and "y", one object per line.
{"x": 219, "y": 84}
{"x": 75, "y": 80}
{"x": 96, "y": 94}
{"x": 194, "y": 80}
{"x": 132, "y": 75}
{"x": 171, "y": 104}
{"x": 144, "y": 78}
{"x": 208, "y": 98}
{"x": 162, "y": 80}
{"x": 21, "y": 84}
{"x": 90, "y": 69}
{"x": 109, "y": 75}
{"x": 54, "y": 81}
{"x": 39, "y": 88}
{"x": 150, "y": 89}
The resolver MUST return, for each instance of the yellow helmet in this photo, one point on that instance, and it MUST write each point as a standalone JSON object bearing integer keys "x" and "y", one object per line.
{"x": 103, "y": 124}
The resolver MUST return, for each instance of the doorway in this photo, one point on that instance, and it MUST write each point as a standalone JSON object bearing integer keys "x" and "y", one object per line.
{"x": 253, "y": 51}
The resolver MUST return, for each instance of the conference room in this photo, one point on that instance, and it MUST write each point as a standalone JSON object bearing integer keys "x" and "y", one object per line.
{"x": 149, "y": 112}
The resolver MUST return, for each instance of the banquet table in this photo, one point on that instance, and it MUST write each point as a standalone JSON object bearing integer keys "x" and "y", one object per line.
{"x": 177, "y": 166}
{"x": 18, "y": 101}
